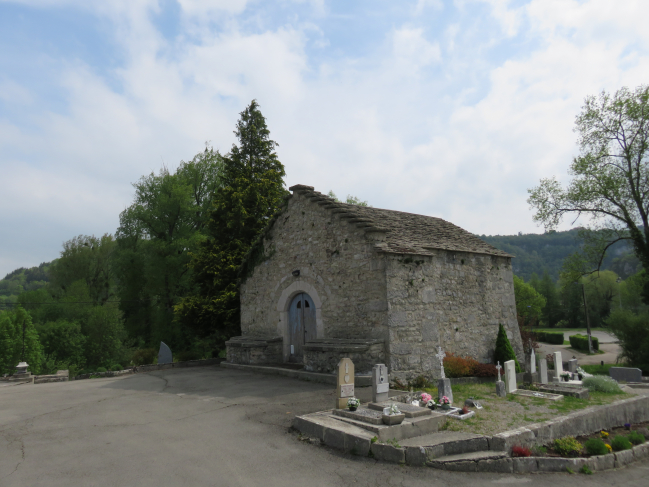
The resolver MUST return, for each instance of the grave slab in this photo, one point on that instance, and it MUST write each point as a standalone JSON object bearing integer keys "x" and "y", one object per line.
{"x": 625, "y": 374}
{"x": 408, "y": 409}
{"x": 539, "y": 395}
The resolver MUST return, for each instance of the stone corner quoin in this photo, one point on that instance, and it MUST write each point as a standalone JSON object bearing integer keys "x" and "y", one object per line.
{"x": 382, "y": 286}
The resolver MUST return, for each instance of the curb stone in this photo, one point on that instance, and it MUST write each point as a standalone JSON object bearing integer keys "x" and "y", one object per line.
{"x": 388, "y": 453}
{"x": 623, "y": 458}
{"x": 416, "y": 456}
{"x": 549, "y": 464}
{"x": 502, "y": 465}
{"x": 525, "y": 465}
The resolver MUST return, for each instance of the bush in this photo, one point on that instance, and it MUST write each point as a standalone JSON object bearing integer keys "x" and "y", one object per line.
{"x": 485, "y": 370}
{"x": 144, "y": 356}
{"x": 549, "y": 337}
{"x": 567, "y": 446}
{"x": 504, "y": 351}
{"x": 117, "y": 367}
{"x": 631, "y": 331}
{"x": 601, "y": 383}
{"x": 620, "y": 443}
{"x": 595, "y": 446}
{"x": 459, "y": 366}
{"x": 187, "y": 355}
{"x": 521, "y": 451}
{"x": 580, "y": 342}
{"x": 636, "y": 438}
{"x": 101, "y": 369}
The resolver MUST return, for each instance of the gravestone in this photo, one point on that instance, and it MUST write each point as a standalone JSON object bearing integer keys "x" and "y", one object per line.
{"x": 558, "y": 367}
{"x": 543, "y": 371}
{"x": 380, "y": 383}
{"x": 164, "y": 355}
{"x": 443, "y": 384}
{"x": 500, "y": 385}
{"x": 344, "y": 382}
{"x": 572, "y": 366}
{"x": 625, "y": 374}
{"x": 510, "y": 376}
{"x": 533, "y": 362}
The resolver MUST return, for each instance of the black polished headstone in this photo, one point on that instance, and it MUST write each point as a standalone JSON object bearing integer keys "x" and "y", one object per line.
{"x": 625, "y": 374}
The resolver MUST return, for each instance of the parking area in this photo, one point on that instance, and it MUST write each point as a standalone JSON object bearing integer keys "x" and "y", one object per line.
{"x": 205, "y": 426}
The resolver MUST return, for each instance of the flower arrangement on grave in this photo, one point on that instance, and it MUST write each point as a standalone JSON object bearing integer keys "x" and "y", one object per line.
{"x": 393, "y": 409}
{"x": 565, "y": 377}
{"x": 353, "y": 403}
{"x": 431, "y": 404}
{"x": 425, "y": 397}
{"x": 465, "y": 410}
{"x": 445, "y": 402}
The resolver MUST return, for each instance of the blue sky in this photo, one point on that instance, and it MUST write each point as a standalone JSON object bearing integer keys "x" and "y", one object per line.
{"x": 446, "y": 108}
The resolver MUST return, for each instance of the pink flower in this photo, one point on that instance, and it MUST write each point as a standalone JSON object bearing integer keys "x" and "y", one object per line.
{"x": 426, "y": 397}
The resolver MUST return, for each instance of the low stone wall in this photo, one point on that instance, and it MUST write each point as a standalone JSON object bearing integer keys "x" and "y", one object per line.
{"x": 323, "y": 355}
{"x": 254, "y": 350}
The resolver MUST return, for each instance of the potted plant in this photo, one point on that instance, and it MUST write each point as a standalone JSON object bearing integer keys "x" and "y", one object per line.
{"x": 392, "y": 415}
{"x": 445, "y": 402}
{"x": 431, "y": 404}
{"x": 353, "y": 403}
{"x": 565, "y": 377}
{"x": 425, "y": 399}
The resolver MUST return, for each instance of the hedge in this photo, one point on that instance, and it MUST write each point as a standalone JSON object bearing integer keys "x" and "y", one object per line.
{"x": 549, "y": 337}
{"x": 580, "y": 342}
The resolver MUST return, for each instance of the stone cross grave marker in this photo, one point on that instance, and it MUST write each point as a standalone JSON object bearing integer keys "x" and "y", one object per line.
{"x": 164, "y": 355}
{"x": 500, "y": 385}
{"x": 440, "y": 356}
{"x": 443, "y": 384}
{"x": 572, "y": 365}
{"x": 625, "y": 374}
{"x": 558, "y": 367}
{"x": 543, "y": 371}
{"x": 510, "y": 376}
{"x": 380, "y": 383}
{"x": 344, "y": 382}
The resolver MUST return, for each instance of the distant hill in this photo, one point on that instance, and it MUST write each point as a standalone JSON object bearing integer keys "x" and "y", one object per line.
{"x": 23, "y": 279}
{"x": 536, "y": 252}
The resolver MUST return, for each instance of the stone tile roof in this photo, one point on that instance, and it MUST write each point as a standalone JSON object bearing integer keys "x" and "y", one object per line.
{"x": 405, "y": 233}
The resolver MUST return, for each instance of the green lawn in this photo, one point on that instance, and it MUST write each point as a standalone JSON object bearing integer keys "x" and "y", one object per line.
{"x": 598, "y": 369}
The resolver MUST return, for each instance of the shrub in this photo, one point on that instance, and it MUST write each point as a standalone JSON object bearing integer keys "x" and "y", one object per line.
{"x": 631, "y": 332}
{"x": 504, "y": 351}
{"x": 144, "y": 356}
{"x": 567, "y": 446}
{"x": 459, "y": 366}
{"x": 101, "y": 369}
{"x": 595, "y": 446}
{"x": 485, "y": 370}
{"x": 580, "y": 342}
{"x": 601, "y": 383}
{"x": 636, "y": 438}
{"x": 584, "y": 469}
{"x": 187, "y": 355}
{"x": 117, "y": 367}
{"x": 550, "y": 337}
{"x": 521, "y": 451}
{"x": 620, "y": 443}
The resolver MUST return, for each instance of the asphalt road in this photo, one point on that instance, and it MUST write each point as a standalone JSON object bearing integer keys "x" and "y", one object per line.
{"x": 202, "y": 427}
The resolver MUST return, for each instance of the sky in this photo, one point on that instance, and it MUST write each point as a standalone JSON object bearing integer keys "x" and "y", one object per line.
{"x": 452, "y": 109}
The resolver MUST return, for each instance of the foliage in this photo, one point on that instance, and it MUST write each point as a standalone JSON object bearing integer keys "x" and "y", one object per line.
{"x": 351, "y": 200}
{"x": 620, "y": 443}
{"x": 567, "y": 446}
{"x": 101, "y": 369}
{"x": 580, "y": 342}
{"x": 601, "y": 383}
{"x": 63, "y": 343}
{"x": 595, "y": 446}
{"x": 504, "y": 351}
{"x": 609, "y": 183}
{"x": 636, "y": 438}
{"x": 549, "y": 337}
{"x": 12, "y": 324}
{"x": 251, "y": 193}
{"x": 144, "y": 356}
{"x": 459, "y": 366}
{"x": 529, "y": 303}
{"x": 20, "y": 280}
{"x": 632, "y": 332}
{"x": 521, "y": 451}
{"x": 485, "y": 370}
{"x": 586, "y": 470}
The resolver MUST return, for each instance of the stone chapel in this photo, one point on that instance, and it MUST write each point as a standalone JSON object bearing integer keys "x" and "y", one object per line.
{"x": 335, "y": 280}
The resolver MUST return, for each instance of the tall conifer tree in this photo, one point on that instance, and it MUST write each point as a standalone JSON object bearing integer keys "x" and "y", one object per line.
{"x": 252, "y": 191}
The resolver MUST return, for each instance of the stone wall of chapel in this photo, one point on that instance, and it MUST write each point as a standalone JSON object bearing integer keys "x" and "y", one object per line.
{"x": 335, "y": 258}
{"x": 455, "y": 300}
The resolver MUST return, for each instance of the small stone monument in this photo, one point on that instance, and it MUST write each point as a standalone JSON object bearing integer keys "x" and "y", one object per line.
{"x": 344, "y": 382}
{"x": 532, "y": 361}
{"x": 500, "y": 385}
{"x": 625, "y": 374}
{"x": 558, "y": 367}
{"x": 21, "y": 370}
{"x": 510, "y": 376}
{"x": 572, "y": 366}
{"x": 164, "y": 355}
{"x": 443, "y": 384}
{"x": 543, "y": 371}
{"x": 380, "y": 383}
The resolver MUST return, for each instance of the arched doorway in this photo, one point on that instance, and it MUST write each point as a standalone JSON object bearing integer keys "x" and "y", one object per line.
{"x": 301, "y": 325}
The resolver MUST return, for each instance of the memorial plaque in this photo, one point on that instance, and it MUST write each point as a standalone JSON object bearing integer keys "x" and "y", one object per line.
{"x": 344, "y": 382}
{"x": 347, "y": 390}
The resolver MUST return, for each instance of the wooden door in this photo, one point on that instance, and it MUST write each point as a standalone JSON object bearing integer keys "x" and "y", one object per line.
{"x": 302, "y": 325}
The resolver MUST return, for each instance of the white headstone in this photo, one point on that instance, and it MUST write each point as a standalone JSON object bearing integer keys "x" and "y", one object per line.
{"x": 558, "y": 365}
{"x": 380, "y": 383}
{"x": 533, "y": 361}
{"x": 510, "y": 376}
{"x": 440, "y": 356}
{"x": 543, "y": 372}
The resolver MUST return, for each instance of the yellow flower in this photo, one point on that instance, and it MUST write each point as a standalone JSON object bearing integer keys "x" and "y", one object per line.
{"x": 610, "y": 448}
{"x": 604, "y": 434}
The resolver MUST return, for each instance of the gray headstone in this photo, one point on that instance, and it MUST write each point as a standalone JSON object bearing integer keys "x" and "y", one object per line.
{"x": 164, "y": 355}
{"x": 510, "y": 376}
{"x": 380, "y": 383}
{"x": 500, "y": 389}
{"x": 444, "y": 389}
{"x": 558, "y": 366}
{"x": 543, "y": 371}
{"x": 533, "y": 361}
{"x": 625, "y": 374}
{"x": 572, "y": 365}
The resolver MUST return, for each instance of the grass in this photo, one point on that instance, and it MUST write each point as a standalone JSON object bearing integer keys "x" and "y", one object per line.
{"x": 598, "y": 369}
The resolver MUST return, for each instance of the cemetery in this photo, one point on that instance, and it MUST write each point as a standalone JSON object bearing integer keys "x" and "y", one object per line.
{"x": 528, "y": 422}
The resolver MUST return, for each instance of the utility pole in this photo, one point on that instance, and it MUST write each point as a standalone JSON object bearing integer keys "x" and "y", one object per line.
{"x": 590, "y": 342}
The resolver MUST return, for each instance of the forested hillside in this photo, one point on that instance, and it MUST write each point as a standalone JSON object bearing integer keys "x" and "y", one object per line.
{"x": 536, "y": 253}
{"x": 20, "y": 280}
